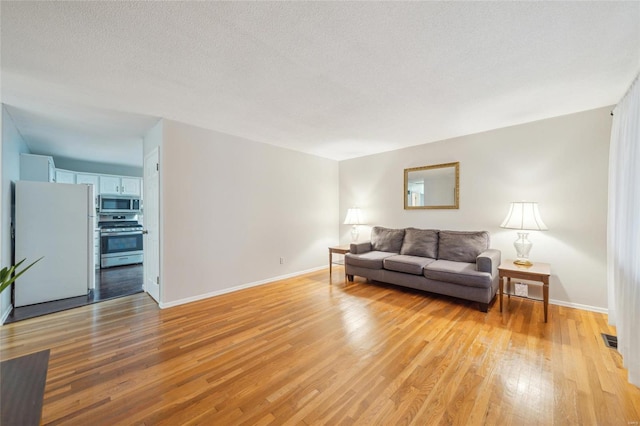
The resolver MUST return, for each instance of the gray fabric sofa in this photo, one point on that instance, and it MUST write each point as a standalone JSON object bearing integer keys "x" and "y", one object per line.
{"x": 452, "y": 263}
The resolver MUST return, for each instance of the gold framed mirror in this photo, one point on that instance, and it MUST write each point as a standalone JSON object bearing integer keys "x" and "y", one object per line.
{"x": 432, "y": 187}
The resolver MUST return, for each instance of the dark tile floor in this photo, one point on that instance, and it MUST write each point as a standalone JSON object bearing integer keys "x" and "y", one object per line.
{"x": 110, "y": 283}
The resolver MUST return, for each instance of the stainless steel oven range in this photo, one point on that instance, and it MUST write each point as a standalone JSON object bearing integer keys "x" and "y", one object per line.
{"x": 120, "y": 243}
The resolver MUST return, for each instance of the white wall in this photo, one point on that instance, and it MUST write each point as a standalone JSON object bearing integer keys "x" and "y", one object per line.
{"x": 153, "y": 138}
{"x": 12, "y": 146}
{"x": 561, "y": 162}
{"x": 232, "y": 207}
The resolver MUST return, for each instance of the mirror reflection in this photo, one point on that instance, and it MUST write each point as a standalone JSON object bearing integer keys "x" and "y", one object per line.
{"x": 432, "y": 187}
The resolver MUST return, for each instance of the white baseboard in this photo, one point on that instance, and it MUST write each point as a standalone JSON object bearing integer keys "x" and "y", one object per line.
{"x": 236, "y": 288}
{"x": 579, "y": 306}
{"x": 6, "y": 314}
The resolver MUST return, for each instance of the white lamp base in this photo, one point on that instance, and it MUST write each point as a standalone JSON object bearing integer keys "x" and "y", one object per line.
{"x": 523, "y": 247}
{"x": 354, "y": 233}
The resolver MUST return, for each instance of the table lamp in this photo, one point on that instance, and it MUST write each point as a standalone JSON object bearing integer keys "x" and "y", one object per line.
{"x": 523, "y": 215}
{"x": 354, "y": 217}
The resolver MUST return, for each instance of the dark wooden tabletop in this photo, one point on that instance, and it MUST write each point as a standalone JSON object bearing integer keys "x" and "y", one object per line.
{"x": 22, "y": 383}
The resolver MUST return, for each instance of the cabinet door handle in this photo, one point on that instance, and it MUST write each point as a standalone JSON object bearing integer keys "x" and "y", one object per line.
{"x": 123, "y": 189}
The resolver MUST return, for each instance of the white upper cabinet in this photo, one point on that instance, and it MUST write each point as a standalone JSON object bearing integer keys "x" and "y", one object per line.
{"x": 120, "y": 185}
{"x": 88, "y": 179}
{"x": 109, "y": 185}
{"x": 130, "y": 186}
{"x": 41, "y": 168}
{"x": 38, "y": 168}
{"x": 65, "y": 176}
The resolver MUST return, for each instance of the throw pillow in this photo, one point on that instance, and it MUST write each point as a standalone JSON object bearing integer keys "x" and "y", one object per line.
{"x": 462, "y": 246}
{"x": 385, "y": 239}
{"x": 420, "y": 242}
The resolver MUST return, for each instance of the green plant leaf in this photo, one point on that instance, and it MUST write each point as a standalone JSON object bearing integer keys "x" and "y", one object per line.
{"x": 6, "y": 273}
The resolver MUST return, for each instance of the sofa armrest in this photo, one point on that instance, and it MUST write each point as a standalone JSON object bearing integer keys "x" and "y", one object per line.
{"x": 359, "y": 248}
{"x": 488, "y": 261}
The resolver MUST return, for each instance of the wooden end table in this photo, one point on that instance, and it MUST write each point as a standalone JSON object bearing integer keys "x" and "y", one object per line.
{"x": 338, "y": 250}
{"x": 537, "y": 272}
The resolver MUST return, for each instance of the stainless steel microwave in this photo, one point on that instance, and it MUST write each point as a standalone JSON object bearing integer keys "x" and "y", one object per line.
{"x": 118, "y": 204}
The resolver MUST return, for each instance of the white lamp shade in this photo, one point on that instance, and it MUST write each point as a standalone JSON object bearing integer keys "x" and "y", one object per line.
{"x": 524, "y": 215}
{"x": 354, "y": 217}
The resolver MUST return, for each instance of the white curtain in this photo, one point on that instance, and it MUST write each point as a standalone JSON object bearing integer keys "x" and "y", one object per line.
{"x": 623, "y": 236}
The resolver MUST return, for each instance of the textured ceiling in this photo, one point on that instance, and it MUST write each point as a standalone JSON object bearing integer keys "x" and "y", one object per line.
{"x": 335, "y": 79}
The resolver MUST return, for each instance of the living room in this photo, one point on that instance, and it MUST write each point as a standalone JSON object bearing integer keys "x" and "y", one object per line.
{"x": 562, "y": 163}
{"x": 533, "y": 122}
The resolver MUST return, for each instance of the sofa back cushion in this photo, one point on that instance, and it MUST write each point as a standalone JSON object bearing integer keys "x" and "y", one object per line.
{"x": 462, "y": 246}
{"x": 385, "y": 239}
{"x": 420, "y": 242}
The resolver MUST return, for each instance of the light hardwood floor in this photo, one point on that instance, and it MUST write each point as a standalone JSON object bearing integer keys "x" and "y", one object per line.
{"x": 302, "y": 351}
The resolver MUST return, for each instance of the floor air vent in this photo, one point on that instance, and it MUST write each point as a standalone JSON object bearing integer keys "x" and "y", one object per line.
{"x": 610, "y": 341}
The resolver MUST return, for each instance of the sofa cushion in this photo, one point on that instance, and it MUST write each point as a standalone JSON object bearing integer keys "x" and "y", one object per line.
{"x": 407, "y": 264}
{"x": 385, "y": 239}
{"x": 420, "y": 242}
{"x": 371, "y": 259}
{"x": 457, "y": 273}
{"x": 462, "y": 246}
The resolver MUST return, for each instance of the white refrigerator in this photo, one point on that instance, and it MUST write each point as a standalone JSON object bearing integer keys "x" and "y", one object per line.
{"x": 54, "y": 220}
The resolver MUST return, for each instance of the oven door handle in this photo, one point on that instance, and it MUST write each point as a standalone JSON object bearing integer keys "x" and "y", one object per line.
{"x": 116, "y": 234}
